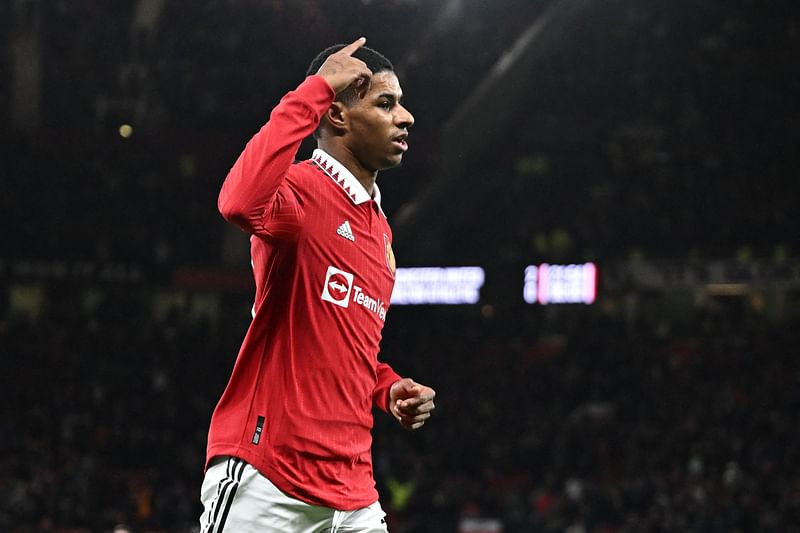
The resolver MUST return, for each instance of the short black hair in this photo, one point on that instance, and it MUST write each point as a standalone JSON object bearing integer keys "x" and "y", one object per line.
{"x": 374, "y": 60}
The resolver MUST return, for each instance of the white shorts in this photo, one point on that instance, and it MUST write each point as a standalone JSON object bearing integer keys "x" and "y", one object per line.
{"x": 237, "y": 498}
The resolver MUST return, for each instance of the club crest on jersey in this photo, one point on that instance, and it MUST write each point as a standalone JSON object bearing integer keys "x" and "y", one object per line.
{"x": 337, "y": 287}
{"x": 389, "y": 255}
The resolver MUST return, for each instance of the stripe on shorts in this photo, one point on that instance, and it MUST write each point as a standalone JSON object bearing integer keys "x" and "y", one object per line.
{"x": 226, "y": 490}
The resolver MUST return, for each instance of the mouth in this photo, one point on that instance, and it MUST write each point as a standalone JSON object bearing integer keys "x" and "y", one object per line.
{"x": 400, "y": 142}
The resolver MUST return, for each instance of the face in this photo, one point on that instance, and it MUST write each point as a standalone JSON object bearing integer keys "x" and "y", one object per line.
{"x": 379, "y": 124}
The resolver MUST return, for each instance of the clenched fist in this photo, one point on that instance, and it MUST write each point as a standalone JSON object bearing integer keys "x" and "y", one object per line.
{"x": 411, "y": 403}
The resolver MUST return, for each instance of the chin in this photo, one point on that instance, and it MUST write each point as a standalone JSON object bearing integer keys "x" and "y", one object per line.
{"x": 394, "y": 161}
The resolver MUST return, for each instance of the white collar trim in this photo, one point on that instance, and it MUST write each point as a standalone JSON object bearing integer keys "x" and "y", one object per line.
{"x": 344, "y": 178}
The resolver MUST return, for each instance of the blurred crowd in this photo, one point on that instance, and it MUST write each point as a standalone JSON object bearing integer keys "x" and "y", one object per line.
{"x": 577, "y": 421}
{"x": 666, "y": 130}
{"x": 193, "y": 86}
{"x": 682, "y": 119}
{"x": 662, "y": 130}
{"x": 108, "y": 409}
{"x": 592, "y": 424}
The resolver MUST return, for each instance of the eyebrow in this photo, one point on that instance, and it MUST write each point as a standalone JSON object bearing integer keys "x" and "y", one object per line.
{"x": 390, "y": 96}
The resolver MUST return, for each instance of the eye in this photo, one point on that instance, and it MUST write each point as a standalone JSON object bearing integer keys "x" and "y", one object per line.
{"x": 385, "y": 104}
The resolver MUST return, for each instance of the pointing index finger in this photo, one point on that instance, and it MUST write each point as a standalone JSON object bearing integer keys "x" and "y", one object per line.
{"x": 355, "y": 45}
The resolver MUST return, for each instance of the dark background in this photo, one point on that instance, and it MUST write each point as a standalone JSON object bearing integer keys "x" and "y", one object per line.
{"x": 657, "y": 139}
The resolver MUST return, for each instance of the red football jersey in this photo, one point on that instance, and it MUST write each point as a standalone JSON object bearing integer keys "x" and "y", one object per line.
{"x": 298, "y": 406}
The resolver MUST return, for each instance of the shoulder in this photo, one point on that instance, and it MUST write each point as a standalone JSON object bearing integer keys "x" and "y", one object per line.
{"x": 302, "y": 171}
{"x": 305, "y": 177}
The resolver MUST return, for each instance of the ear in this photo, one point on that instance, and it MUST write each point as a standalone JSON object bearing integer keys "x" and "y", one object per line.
{"x": 337, "y": 116}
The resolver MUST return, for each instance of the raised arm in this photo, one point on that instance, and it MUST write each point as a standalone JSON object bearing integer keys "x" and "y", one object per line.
{"x": 251, "y": 185}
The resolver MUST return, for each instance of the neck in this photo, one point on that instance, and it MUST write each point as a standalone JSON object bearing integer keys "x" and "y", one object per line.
{"x": 344, "y": 156}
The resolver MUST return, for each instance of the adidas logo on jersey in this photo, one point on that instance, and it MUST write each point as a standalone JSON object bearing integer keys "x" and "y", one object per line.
{"x": 345, "y": 231}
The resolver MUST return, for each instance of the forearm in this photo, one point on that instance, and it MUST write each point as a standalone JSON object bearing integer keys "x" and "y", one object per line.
{"x": 257, "y": 174}
{"x": 386, "y": 378}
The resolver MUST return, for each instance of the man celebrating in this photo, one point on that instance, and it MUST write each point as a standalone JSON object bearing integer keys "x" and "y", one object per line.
{"x": 289, "y": 447}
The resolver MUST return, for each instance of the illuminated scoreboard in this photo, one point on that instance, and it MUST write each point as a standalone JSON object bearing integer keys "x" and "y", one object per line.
{"x": 438, "y": 285}
{"x": 560, "y": 284}
{"x": 543, "y": 284}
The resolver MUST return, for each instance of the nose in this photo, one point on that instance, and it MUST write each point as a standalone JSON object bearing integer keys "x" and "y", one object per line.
{"x": 404, "y": 118}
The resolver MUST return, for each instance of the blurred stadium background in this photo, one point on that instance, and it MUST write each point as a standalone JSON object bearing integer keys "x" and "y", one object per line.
{"x": 658, "y": 140}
